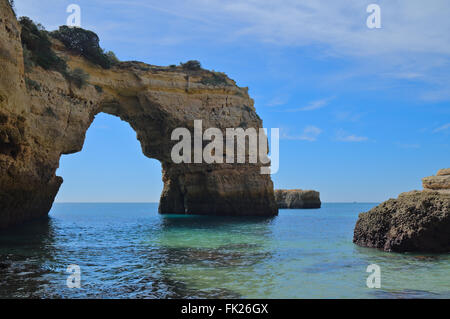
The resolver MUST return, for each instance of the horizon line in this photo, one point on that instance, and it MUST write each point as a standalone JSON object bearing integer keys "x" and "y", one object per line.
{"x": 331, "y": 202}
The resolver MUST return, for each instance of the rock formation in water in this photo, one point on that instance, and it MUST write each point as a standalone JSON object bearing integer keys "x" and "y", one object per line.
{"x": 45, "y": 114}
{"x": 297, "y": 198}
{"x": 417, "y": 221}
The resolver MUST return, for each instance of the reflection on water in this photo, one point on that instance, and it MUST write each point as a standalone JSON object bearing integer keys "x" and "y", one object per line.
{"x": 129, "y": 251}
{"x": 408, "y": 294}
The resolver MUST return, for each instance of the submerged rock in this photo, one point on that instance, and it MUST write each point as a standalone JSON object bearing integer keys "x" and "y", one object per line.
{"x": 297, "y": 198}
{"x": 417, "y": 221}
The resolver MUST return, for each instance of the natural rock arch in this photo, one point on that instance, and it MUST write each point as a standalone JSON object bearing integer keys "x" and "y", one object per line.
{"x": 38, "y": 125}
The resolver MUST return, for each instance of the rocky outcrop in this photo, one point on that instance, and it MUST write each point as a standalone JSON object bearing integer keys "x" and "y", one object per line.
{"x": 40, "y": 123}
{"x": 297, "y": 198}
{"x": 440, "y": 182}
{"x": 417, "y": 221}
{"x": 443, "y": 172}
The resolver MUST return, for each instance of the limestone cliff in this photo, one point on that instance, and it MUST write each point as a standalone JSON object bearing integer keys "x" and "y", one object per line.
{"x": 417, "y": 221}
{"x": 38, "y": 124}
{"x": 297, "y": 198}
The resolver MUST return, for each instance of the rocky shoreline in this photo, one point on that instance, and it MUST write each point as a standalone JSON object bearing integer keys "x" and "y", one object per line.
{"x": 297, "y": 198}
{"x": 417, "y": 221}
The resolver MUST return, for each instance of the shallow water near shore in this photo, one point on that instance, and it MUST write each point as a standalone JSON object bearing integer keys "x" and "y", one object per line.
{"x": 130, "y": 251}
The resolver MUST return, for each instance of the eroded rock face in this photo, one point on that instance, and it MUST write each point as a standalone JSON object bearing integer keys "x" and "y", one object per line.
{"x": 417, "y": 221}
{"x": 443, "y": 172}
{"x": 37, "y": 126}
{"x": 440, "y": 182}
{"x": 297, "y": 198}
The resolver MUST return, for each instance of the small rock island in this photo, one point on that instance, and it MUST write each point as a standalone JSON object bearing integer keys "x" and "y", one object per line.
{"x": 297, "y": 198}
{"x": 417, "y": 221}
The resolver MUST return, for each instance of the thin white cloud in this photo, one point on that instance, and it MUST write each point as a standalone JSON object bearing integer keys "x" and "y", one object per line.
{"x": 442, "y": 128}
{"x": 413, "y": 43}
{"x": 277, "y": 101}
{"x": 408, "y": 146}
{"x": 346, "y": 116}
{"x": 407, "y": 26}
{"x": 314, "y": 105}
{"x": 342, "y": 136}
{"x": 310, "y": 134}
{"x": 405, "y": 75}
{"x": 342, "y": 24}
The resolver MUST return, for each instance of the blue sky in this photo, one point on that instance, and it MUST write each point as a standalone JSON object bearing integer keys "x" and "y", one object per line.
{"x": 364, "y": 113}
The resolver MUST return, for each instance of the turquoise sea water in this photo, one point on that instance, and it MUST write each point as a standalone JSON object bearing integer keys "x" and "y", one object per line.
{"x": 129, "y": 251}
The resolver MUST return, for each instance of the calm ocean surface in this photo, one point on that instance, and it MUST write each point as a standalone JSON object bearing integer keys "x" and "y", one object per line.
{"x": 129, "y": 251}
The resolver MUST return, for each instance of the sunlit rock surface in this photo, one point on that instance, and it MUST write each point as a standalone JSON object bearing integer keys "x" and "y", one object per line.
{"x": 440, "y": 182}
{"x": 37, "y": 126}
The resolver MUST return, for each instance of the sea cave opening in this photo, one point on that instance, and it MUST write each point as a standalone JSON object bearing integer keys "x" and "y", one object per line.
{"x": 110, "y": 168}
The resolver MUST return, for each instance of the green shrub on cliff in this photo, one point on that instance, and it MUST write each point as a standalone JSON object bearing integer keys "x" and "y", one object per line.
{"x": 98, "y": 88}
{"x": 77, "y": 77}
{"x": 85, "y": 43}
{"x": 27, "y": 59}
{"x": 191, "y": 65}
{"x": 32, "y": 85}
{"x": 113, "y": 59}
{"x": 215, "y": 79}
{"x": 37, "y": 47}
